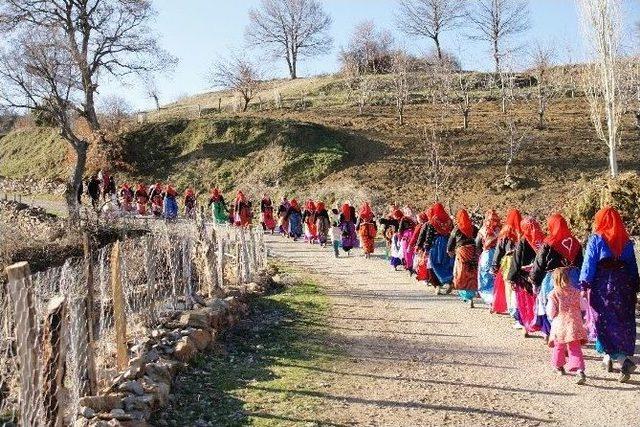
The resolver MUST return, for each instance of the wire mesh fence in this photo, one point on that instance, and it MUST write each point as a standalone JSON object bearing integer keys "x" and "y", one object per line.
{"x": 67, "y": 332}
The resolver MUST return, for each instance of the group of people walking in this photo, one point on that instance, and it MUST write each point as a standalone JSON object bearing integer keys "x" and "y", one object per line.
{"x": 546, "y": 281}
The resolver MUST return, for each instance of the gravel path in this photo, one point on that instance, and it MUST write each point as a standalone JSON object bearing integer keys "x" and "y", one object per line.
{"x": 420, "y": 359}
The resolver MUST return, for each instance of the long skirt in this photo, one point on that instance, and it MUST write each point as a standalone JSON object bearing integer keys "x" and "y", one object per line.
{"x": 395, "y": 254}
{"x": 322, "y": 224}
{"x": 349, "y": 236}
{"x": 266, "y": 218}
{"x": 526, "y": 303}
{"x": 500, "y": 305}
{"x": 310, "y": 230}
{"x": 485, "y": 278}
{"x": 465, "y": 272}
{"x": 283, "y": 225}
{"x": 440, "y": 261}
{"x": 219, "y": 213}
{"x": 141, "y": 205}
{"x": 614, "y": 299}
{"x": 367, "y": 237}
{"x": 295, "y": 225}
{"x": 407, "y": 249}
{"x": 170, "y": 208}
{"x": 422, "y": 272}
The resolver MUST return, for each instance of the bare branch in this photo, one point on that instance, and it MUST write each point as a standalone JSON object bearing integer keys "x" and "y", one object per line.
{"x": 239, "y": 75}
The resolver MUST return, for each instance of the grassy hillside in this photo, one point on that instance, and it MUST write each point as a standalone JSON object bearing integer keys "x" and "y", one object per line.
{"x": 34, "y": 153}
{"x": 327, "y": 149}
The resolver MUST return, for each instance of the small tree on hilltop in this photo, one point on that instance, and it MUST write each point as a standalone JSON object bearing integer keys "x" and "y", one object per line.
{"x": 440, "y": 161}
{"x": 239, "y": 75}
{"x": 369, "y": 50}
{"x": 546, "y": 88}
{"x": 402, "y": 82}
{"x": 290, "y": 29}
{"x": 430, "y": 18}
{"x": 54, "y": 53}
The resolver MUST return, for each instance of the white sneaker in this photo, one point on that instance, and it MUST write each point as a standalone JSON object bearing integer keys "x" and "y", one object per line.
{"x": 517, "y": 325}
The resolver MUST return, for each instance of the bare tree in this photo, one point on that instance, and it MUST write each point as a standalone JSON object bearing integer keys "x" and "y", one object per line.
{"x": 114, "y": 112}
{"x": 498, "y": 22}
{"x": 291, "y": 29}
{"x": 152, "y": 91}
{"x": 601, "y": 22}
{"x": 55, "y": 52}
{"x": 465, "y": 84}
{"x": 400, "y": 72}
{"x": 430, "y": 18}
{"x": 546, "y": 87}
{"x": 369, "y": 50}
{"x": 515, "y": 138}
{"x": 440, "y": 162}
{"x": 239, "y": 75}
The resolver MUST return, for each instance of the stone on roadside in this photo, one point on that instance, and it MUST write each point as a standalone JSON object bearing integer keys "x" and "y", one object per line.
{"x": 185, "y": 349}
{"x": 201, "y": 338}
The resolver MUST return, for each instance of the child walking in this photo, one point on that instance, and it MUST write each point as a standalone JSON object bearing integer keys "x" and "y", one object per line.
{"x": 568, "y": 333}
{"x": 336, "y": 238}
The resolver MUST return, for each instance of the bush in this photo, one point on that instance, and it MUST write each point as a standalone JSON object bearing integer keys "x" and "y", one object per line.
{"x": 623, "y": 193}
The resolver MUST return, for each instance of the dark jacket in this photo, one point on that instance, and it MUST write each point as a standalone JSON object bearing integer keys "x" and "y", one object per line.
{"x": 523, "y": 256}
{"x": 459, "y": 239}
{"x": 548, "y": 259}
{"x": 503, "y": 248}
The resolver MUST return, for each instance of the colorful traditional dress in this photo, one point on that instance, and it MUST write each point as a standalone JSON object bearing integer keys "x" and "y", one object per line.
{"x": 293, "y": 219}
{"x": 348, "y": 227}
{"x": 283, "y": 222}
{"x": 559, "y": 250}
{"x": 266, "y": 214}
{"x": 242, "y": 211}
{"x": 170, "y": 205}
{"x": 395, "y": 254}
{"x": 142, "y": 199}
{"x": 309, "y": 221}
{"x": 190, "y": 203}
{"x": 462, "y": 243}
{"x": 518, "y": 275}
{"x": 435, "y": 240}
{"x": 322, "y": 223}
{"x": 157, "y": 198}
{"x": 610, "y": 273}
{"x": 503, "y": 296}
{"x": 367, "y": 229}
{"x": 486, "y": 242}
{"x": 407, "y": 227}
{"x": 126, "y": 197}
{"x": 218, "y": 207}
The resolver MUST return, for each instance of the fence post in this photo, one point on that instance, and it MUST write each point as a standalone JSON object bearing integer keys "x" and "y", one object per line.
{"x": 213, "y": 264}
{"x": 238, "y": 265}
{"x": 221, "y": 261}
{"x": 20, "y": 290}
{"x": 150, "y": 267}
{"x": 83, "y": 311}
{"x": 53, "y": 361}
{"x": 122, "y": 357}
{"x": 246, "y": 274}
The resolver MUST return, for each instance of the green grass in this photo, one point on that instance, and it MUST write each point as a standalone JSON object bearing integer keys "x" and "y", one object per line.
{"x": 271, "y": 372}
{"x": 34, "y": 153}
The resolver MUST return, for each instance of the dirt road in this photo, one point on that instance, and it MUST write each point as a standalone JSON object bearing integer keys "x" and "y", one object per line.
{"x": 420, "y": 359}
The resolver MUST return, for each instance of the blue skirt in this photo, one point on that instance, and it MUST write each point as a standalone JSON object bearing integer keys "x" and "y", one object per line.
{"x": 485, "y": 278}
{"x": 295, "y": 225}
{"x": 441, "y": 262}
{"x": 170, "y": 208}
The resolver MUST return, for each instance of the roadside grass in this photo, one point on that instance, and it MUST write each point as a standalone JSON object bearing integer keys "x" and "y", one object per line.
{"x": 269, "y": 371}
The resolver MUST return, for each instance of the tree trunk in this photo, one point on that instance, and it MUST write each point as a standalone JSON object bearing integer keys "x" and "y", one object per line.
{"x": 613, "y": 159}
{"x": 436, "y": 40}
{"x": 541, "y": 119}
{"x": 465, "y": 122}
{"x": 157, "y": 100}
{"x": 71, "y": 192}
{"x": 292, "y": 62}
{"x": 246, "y": 105}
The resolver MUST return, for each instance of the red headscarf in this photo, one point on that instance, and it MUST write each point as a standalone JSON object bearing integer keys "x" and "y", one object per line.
{"x": 215, "y": 192}
{"x": 608, "y": 224}
{"x": 423, "y": 217}
{"x": 125, "y": 186}
{"x": 511, "y": 229}
{"x": 141, "y": 187}
{"x": 294, "y": 203}
{"x": 532, "y": 232}
{"x": 346, "y": 212}
{"x": 310, "y": 206}
{"x": 240, "y": 197}
{"x": 320, "y": 206}
{"x": 189, "y": 192}
{"x": 397, "y": 214}
{"x": 561, "y": 239}
{"x": 464, "y": 223}
{"x": 491, "y": 221}
{"x": 440, "y": 220}
{"x": 171, "y": 191}
{"x": 365, "y": 212}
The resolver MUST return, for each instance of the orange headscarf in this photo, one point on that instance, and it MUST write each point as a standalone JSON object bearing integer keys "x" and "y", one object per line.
{"x": 608, "y": 224}
{"x": 491, "y": 221}
{"x": 346, "y": 212}
{"x": 365, "y": 212}
{"x": 397, "y": 214}
{"x": 240, "y": 197}
{"x": 464, "y": 223}
{"x": 294, "y": 203}
{"x": 171, "y": 191}
{"x": 532, "y": 232}
{"x": 561, "y": 239}
{"x": 440, "y": 220}
{"x": 511, "y": 229}
{"x": 189, "y": 192}
{"x": 320, "y": 206}
{"x": 423, "y": 217}
{"x": 310, "y": 206}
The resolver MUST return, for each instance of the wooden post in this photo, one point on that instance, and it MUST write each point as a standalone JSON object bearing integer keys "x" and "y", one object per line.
{"x": 246, "y": 274}
{"x": 86, "y": 324}
{"x": 150, "y": 268}
{"x": 221, "y": 261}
{"x": 238, "y": 264}
{"x": 120, "y": 319}
{"x": 212, "y": 266}
{"x": 53, "y": 361}
{"x": 23, "y": 312}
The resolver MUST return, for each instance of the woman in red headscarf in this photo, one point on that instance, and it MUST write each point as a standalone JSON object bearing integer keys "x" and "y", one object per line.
{"x": 517, "y": 277}
{"x": 242, "y": 210}
{"x": 266, "y": 214}
{"x": 190, "y": 203}
{"x": 309, "y": 221}
{"x": 294, "y": 220}
{"x": 367, "y": 229}
{"x": 559, "y": 250}
{"x": 126, "y": 197}
{"x": 610, "y": 274}
{"x": 156, "y": 194}
{"x": 218, "y": 206}
{"x": 170, "y": 204}
{"x": 323, "y": 224}
{"x": 142, "y": 198}
{"x": 420, "y": 258}
{"x": 348, "y": 227}
{"x": 507, "y": 241}
{"x": 433, "y": 240}
{"x": 486, "y": 241}
{"x": 462, "y": 245}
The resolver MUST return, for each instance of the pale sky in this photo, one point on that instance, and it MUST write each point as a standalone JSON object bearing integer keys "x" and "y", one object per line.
{"x": 199, "y": 31}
